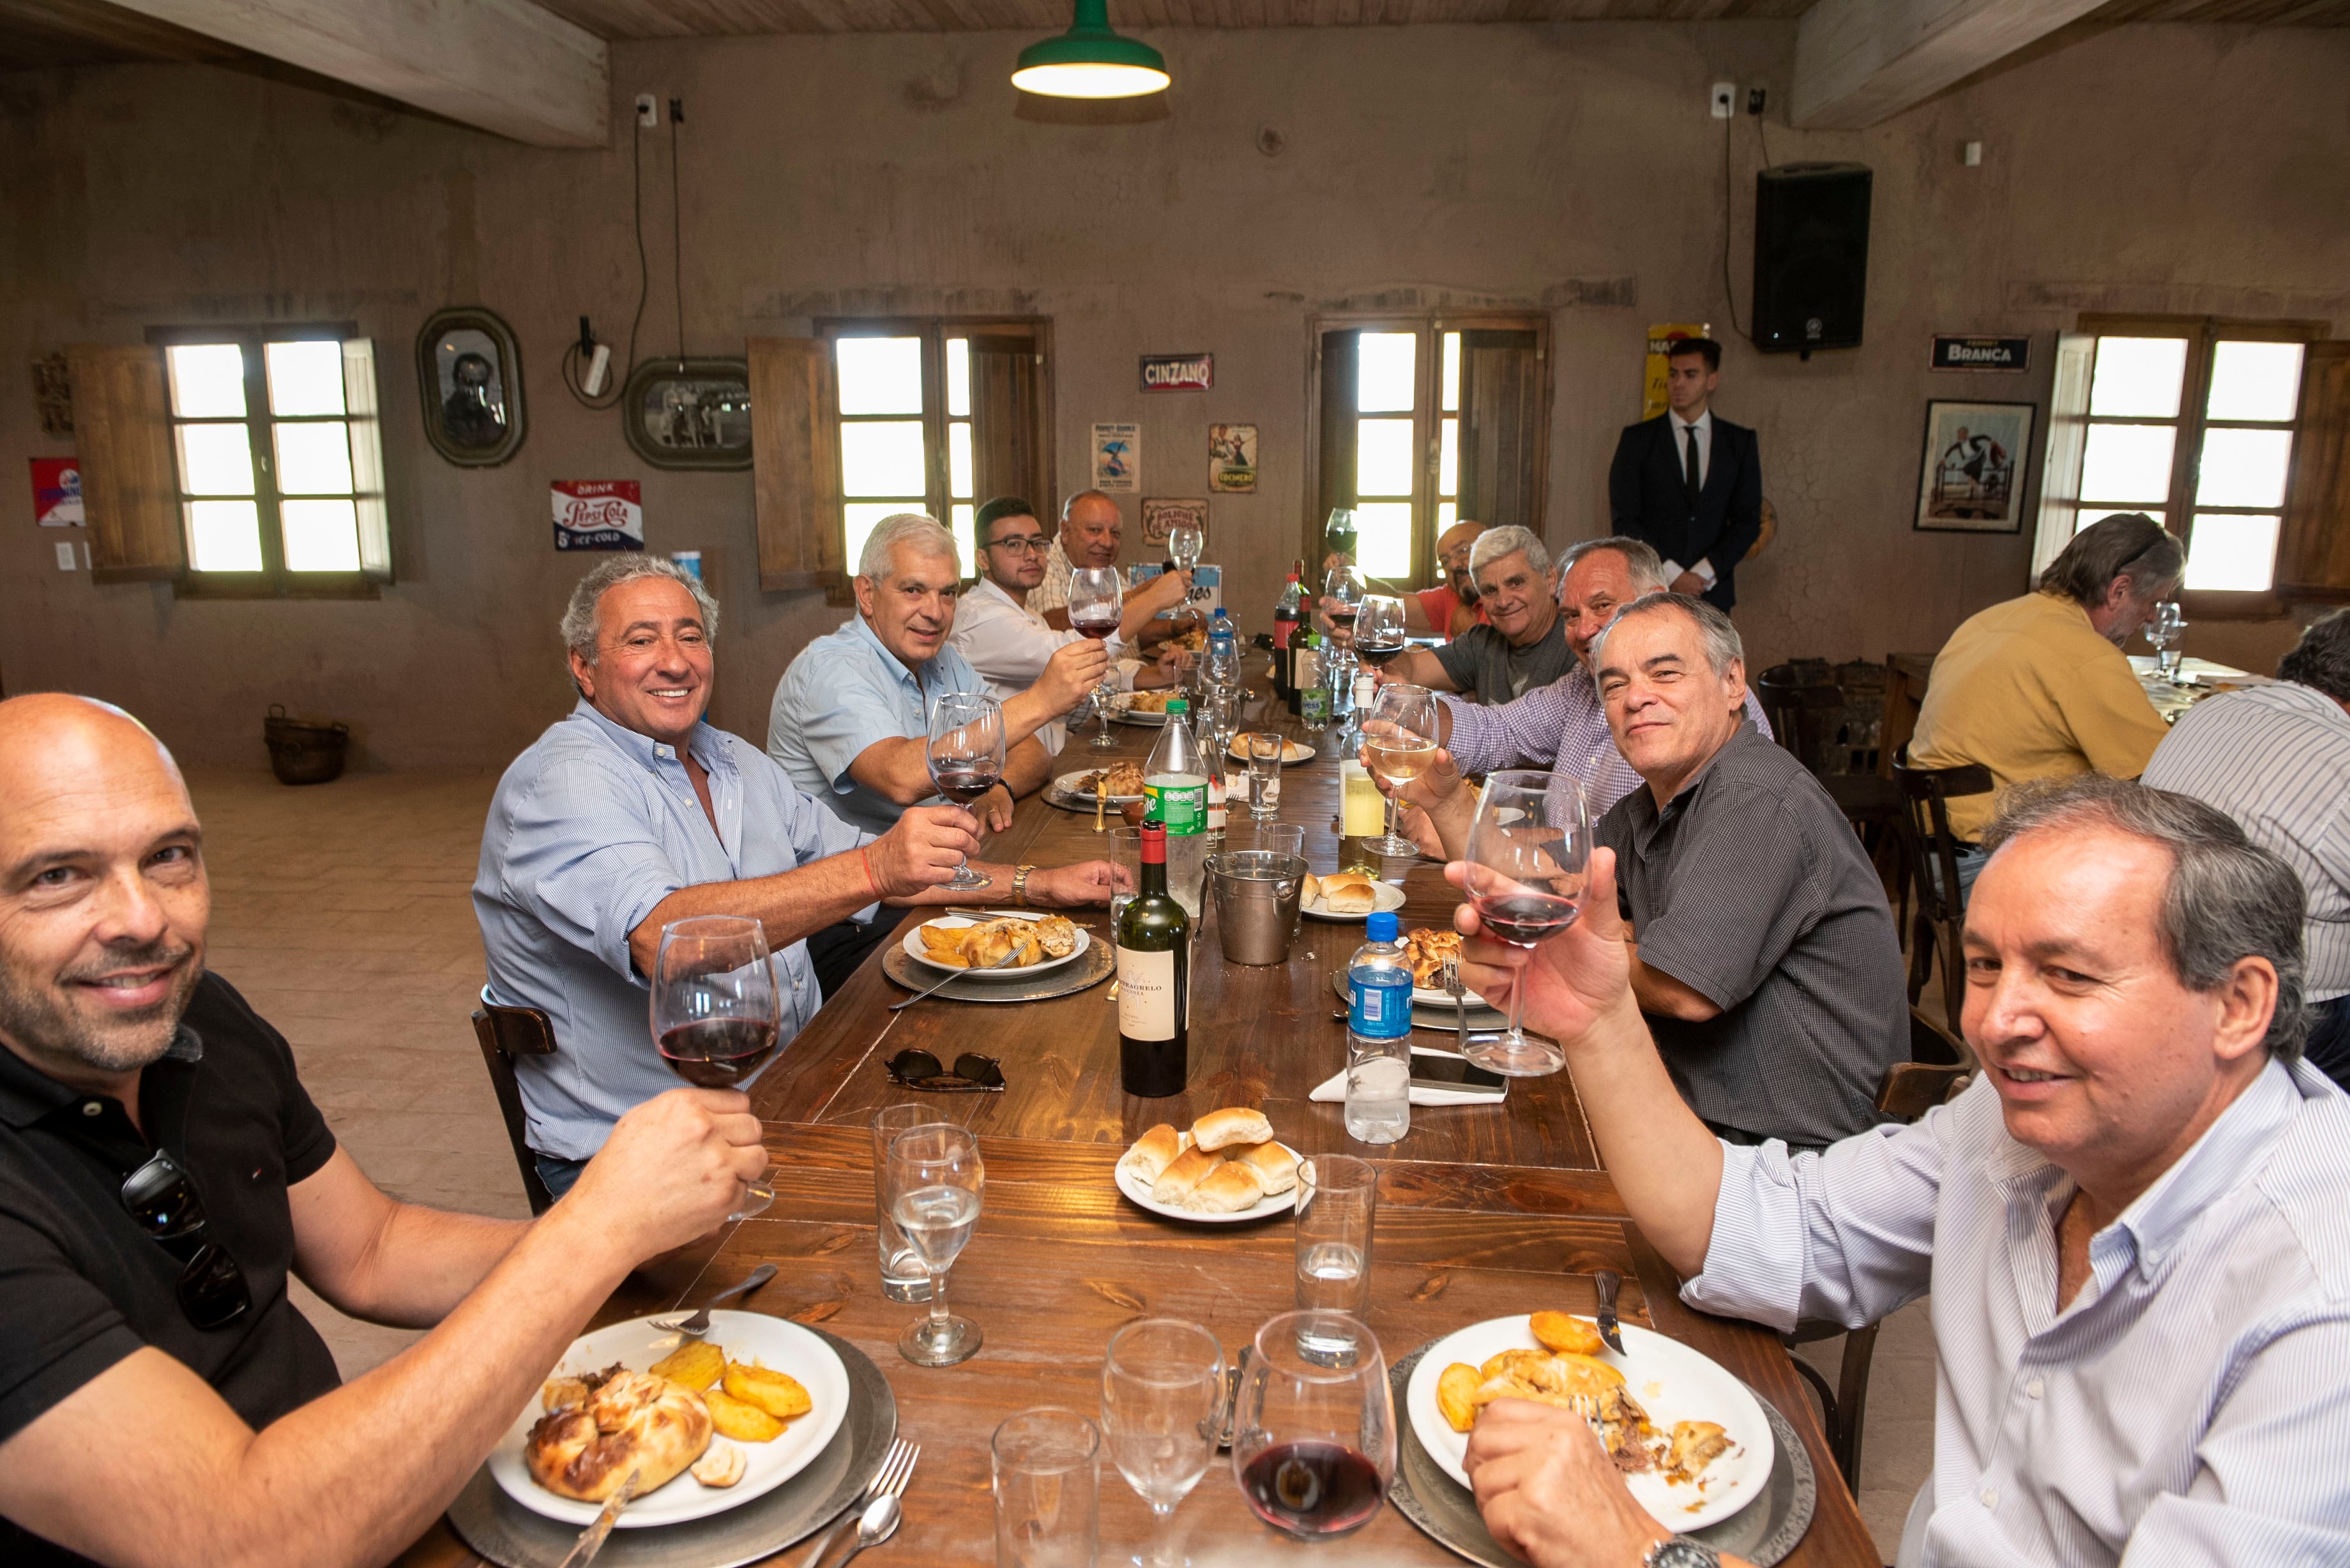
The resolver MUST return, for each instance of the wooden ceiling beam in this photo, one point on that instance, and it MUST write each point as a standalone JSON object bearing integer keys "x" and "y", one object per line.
{"x": 1860, "y": 62}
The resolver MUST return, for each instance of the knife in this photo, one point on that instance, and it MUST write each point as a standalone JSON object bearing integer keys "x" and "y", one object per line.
{"x": 1608, "y": 1281}
{"x": 997, "y": 914}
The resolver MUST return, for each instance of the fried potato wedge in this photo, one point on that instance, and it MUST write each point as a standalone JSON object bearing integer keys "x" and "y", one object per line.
{"x": 1509, "y": 1361}
{"x": 744, "y": 1423}
{"x": 1558, "y": 1332}
{"x": 697, "y": 1364}
{"x": 1453, "y": 1394}
{"x": 777, "y": 1392}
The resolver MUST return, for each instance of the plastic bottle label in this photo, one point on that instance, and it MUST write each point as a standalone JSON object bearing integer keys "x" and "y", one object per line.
{"x": 1314, "y": 704}
{"x": 1182, "y": 808}
{"x": 1145, "y": 994}
{"x": 1377, "y": 1009}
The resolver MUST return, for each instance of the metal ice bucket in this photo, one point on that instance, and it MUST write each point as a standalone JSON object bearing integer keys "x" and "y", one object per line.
{"x": 1256, "y": 894}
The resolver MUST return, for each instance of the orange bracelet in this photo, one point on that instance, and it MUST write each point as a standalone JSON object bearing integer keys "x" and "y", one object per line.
{"x": 865, "y": 858}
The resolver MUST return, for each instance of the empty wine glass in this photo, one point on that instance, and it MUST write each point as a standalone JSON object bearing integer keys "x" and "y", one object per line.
{"x": 1183, "y": 542}
{"x": 1314, "y": 1435}
{"x": 1162, "y": 1408}
{"x": 935, "y": 1183}
{"x": 1399, "y": 745}
{"x": 716, "y": 1012}
{"x": 1096, "y": 604}
{"x": 966, "y": 757}
{"x": 2164, "y": 631}
{"x": 1529, "y": 847}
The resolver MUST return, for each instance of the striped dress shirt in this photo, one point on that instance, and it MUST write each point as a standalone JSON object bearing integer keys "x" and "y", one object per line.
{"x": 2277, "y": 759}
{"x": 2190, "y": 1406}
{"x": 1562, "y": 726}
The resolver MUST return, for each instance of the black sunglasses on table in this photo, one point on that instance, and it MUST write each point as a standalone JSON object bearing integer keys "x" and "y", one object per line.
{"x": 160, "y": 1197}
{"x": 973, "y": 1074}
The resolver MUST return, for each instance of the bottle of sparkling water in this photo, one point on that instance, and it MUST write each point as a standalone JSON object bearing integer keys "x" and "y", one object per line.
{"x": 1175, "y": 786}
{"x": 1378, "y": 1035}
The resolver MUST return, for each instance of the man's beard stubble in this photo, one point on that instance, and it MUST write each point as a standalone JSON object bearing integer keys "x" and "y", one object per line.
{"x": 42, "y": 1020}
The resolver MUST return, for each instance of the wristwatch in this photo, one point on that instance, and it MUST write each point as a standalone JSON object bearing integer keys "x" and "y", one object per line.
{"x": 1681, "y": 1552}
{"x": 1020, "y": 886}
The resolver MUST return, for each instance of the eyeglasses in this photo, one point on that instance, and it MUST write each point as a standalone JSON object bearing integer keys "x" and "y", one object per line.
{"x": 1021, "y": 544}
{"x": 973, "y": 1074}
{"x": 161, "y": 1199}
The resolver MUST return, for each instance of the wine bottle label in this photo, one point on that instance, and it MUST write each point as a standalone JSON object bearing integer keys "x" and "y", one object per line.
{"x": 1380, "y": 1010}
{"x": 1145, "y": 994}
{"x": 1182, "y": 808}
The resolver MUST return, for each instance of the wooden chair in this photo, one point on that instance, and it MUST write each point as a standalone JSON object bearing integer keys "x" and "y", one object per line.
{"x": 1933, "y": 853}
{"x": 1806, "y": 713}
{"x": 506, "y": 1033}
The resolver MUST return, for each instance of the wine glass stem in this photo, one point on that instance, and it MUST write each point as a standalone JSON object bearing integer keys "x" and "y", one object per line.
{"x": 1162, "y": 1536}
{"x": 1395, "y": 814}
{"x": 939, "y": 1305}
{"x": 1518, "y": 1001}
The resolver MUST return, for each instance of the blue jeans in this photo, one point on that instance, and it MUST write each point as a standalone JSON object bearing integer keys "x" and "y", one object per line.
{"x": 1971, "y": 864}
{"x": 559, "y": 1174}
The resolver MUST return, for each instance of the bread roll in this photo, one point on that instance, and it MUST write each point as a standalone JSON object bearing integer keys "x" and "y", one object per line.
{"x": 1310, "y": 890}
{"x": 1233, "y": 1124}
{"x": 1230, "y": 1188}
{"x": 1274, "y": 1165}
{"x": 1153, "y": 1152}
{"x": 1349, "y": 893}
{"x": 1185, "y": 1173}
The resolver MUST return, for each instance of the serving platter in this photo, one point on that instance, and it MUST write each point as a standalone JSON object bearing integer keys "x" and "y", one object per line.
{"x": 912, "y": 943}
{"x": 1130, "y": 1182}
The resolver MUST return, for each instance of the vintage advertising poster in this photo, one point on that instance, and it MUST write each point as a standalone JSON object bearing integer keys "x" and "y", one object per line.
{"x": 1117, "y": 458}
{"x": 1963, "y": 353}
{"x": 1661, "y": 339}
{"x": 1231, "y": 458}
{"x": 57, "y": 493}
{"x": 1974, "y": 456}
{"x": 1160, "y": 517}
{"x": 1178, "y": 372}
{"x": 598, "y": 514}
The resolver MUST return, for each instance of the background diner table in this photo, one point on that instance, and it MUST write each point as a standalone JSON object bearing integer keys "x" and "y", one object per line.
{"x": 1484, "y": 1211}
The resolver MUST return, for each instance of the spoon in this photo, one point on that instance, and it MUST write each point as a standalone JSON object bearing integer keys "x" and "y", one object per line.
{"x": 879, "y": 1523}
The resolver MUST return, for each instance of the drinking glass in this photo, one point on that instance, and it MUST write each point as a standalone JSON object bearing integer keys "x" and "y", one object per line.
{"x": 1162, "y": 1407}
{"x": 1313, "y": 1433}
{"x": 1378, "y": 629}
{"x": 716, "y": 1012}
{"x": 1183, "y": 542}
{"x": 1286, "y": 839}
{"x": 1399, "y": 745}
{"x": 1047, "y": 1464}
{"x": 1096, "y": 604}
{"x": 903, "y": 1278}
{"x": 935, "y": 1182}
{"x": 1126, "y": 853}
{"x": 1528, "y": 847}
{"x": 1338, "y": 1212}
{"x": 1341, "y": 585}
{"x": 966, "y": 760}
{"x": 1265, "y": 751}
{"x": 2169, "y": 623}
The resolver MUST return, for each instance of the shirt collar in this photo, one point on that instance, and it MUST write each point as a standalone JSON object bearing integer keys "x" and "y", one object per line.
{"x": 28, "y": 1094}
{"x": 1704, "y": 421}
{"x": 861, "y": 627}
{"x": 652, "y": 753}
{"x": 988, "y": 588}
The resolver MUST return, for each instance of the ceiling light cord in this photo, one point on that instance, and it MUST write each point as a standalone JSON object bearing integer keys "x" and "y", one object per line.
{"x": 574, "y": 366}
{"x": 1728, "y": 127}
{"x": 676, "y": 226}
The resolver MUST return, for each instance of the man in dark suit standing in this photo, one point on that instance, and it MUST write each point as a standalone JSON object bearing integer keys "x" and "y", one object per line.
{"x": 1688, "y": 484}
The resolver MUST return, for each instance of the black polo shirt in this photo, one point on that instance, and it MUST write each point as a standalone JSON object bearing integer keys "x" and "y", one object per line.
{"x": 81, "y": 1287}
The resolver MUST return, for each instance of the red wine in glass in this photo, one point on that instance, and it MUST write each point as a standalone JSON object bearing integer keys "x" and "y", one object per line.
{"x": 717, "y": 1052}
{"x": 1526, "y": 919}
{"x": 1376, "y": 655}
{"x": 964, "y": 786}
{"x": 1343, "y": 617}
{"x": 1096, "y": 626}
{"x": 1312, "y": 1488}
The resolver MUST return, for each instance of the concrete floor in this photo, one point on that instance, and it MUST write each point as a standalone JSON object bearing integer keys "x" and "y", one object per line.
{"x": 341, "y": 912}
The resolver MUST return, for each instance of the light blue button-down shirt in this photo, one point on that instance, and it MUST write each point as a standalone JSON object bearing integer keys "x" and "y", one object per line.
{"x": 2192, "y": 1404}
{"x": 844, "y": 692}
{"x": 590, "y": 828}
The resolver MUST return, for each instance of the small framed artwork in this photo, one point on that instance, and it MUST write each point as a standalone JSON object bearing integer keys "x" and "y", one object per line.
{"x": 1161, "y": 518}
{"x": 1970, "y": 478}
{"x": 690, "y": 413}
{"x": 469, "y": 369}
{"x": 1231, "y": 458}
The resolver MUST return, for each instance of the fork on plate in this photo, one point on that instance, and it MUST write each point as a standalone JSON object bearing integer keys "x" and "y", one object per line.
{"x": 889, "y": 1480}
{"x": 1448, "y": 980}
{"x": 697, "y": 1324}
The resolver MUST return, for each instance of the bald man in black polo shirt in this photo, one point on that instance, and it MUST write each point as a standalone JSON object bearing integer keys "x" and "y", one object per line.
{"x": 162, "y": 1173}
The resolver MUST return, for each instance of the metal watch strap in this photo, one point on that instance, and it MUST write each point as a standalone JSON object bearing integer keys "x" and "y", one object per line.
{"x": 1681, "y": 1552}
{"x": 1020, "y": 886}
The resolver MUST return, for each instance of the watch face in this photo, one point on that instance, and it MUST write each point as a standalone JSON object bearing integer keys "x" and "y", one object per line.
{"x": 1681, "y": 1552}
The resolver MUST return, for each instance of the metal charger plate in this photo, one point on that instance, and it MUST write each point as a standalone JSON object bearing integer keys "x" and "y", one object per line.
{"x": 1091, "y": 969}
{"x": 507, "y": 1533}
{"x": 1763, "y": 1532}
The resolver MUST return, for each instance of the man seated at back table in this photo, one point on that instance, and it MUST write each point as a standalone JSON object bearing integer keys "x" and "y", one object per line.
{"x": 1092, "y": 528}
{"x": 161, "y": 1400}
{"x": 2131, "y": 1224}
{"x": 851, "y": 719}
{"x": 631, "y": 813}
{"x": 1450, "y": 608}
{"x": 1522, "y": 643}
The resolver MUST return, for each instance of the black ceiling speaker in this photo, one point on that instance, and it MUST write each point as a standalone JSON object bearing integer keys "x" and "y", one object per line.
{"x": 1811, "y": 256}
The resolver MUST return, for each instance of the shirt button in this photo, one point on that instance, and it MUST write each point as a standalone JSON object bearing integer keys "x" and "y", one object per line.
{"x": 91, "y": 1109}
{"x": 1990, "y": 1497}
{"x": 2035, "y": 1388}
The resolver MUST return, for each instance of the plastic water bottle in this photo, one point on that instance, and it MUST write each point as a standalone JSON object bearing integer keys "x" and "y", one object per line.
{"x": 1378, "y": 1035}
{"x": 1223, "y": 650}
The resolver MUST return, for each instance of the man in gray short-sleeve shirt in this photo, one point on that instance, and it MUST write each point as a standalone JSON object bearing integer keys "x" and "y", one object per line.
{"x": 1763, "y": 949}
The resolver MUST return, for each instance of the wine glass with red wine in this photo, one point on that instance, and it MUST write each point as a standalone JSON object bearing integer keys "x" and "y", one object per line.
{"x": 1529, "y": 848}
{"x": 1378, "y": 631}
{"x": 1313, "y": 1433}
{"x": 715, "y": 1010}
{"x": 1342, "y": 595}
{"x": 966, "y": 759}
{"x": 1096, "y": 604}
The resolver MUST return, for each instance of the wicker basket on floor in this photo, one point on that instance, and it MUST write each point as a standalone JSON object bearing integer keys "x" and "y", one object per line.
{"x": 301, "y": 751}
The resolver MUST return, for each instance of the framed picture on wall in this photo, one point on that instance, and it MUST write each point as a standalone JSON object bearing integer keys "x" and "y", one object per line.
{"x": 690, "y": 413}
{"x": 469, "y": 370}
{"x": 1971, "y": 477}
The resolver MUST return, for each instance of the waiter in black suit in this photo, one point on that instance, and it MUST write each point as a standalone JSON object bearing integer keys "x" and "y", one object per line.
{"x": 1689, "y": 483}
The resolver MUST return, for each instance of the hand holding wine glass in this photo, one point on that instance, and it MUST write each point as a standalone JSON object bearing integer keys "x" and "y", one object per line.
{"x": 966, "y": 758}
{"x": 1184, "y": 542}
{"x": 1528, "y": 852}
{"x": 934, "y": 1179}
{"x": 716, "y": 1013}
{"x": 1378, "y": 629}
{"x": 1342, "y": 602}
{"x": 1398, "y": 745}
{"x": 1097, "y": 604}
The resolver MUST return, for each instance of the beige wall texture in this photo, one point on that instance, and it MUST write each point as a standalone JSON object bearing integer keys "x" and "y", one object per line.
{"x": 1568, "y": 168}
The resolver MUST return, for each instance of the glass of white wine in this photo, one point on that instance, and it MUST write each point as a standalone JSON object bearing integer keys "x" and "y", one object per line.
{"x": 1399, "y": 745}
{"x": 935, "y": 1180}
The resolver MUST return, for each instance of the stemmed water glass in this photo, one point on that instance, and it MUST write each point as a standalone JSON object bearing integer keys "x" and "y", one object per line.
{"x": 1095, "y": 607}
{"x": 966, "y": 758}
{"x": 935, "y": 1180}
{"x": 1399, "y": 745}
{"x": 716, "y": 1012}
{"x": 1529, "y": 847}
{"x": 1314, "y": 1433}
{"x": 2163, "y": 632}
{"x": 1162, "y": 1407}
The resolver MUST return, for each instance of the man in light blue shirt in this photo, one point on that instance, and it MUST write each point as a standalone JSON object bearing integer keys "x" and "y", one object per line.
{"x": 631, "y": 813}
{"x": 851, "y": 718}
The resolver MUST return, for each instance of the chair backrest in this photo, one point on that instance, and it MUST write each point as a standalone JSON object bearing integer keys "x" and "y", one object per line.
{"x": 1938, "y": 1064}
{"x": 1927, "y": 794}
{"x": 1804, "y": 710}
{"x": 506, "y": 1033}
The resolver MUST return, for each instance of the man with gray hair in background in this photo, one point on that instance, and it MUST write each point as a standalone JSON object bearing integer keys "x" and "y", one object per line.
{"x": 1522, "y": 643}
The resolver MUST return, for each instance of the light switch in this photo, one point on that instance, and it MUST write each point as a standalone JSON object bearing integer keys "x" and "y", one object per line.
{"x": 64, "y": 558}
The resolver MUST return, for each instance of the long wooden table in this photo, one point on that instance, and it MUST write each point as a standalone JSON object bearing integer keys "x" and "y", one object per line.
{"x": 1484, "y": 1211}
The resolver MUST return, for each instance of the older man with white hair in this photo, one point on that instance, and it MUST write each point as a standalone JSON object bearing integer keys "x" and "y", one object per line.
{"x": 1522, "y": 643}
{"x": 851, "y": 718}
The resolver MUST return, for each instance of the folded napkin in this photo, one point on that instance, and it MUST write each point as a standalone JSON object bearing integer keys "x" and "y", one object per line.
{"x": 1335, "y": 1090}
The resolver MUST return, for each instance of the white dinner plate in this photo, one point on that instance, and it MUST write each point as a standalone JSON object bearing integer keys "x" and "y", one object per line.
{"x": 1067, "y": 784}
{"x": 1387, "y": 894}
{"x": 912, "y": 943}
{"x": 746, "y": 1337}
{"x": 1431, "y": 996}
{"x": 1292, "y": 753}
{"x": 1134, "y": 1187}
{"x": 1672, "y": 1382}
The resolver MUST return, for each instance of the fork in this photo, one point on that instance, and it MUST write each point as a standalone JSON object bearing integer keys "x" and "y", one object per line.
{"x": 698, "y": 1324}
{"x": 889, "y": 1480}
{"x": 1448, "y": 977}
{"x": 1588, "y": 1407}
{"x": 952, "y": 975}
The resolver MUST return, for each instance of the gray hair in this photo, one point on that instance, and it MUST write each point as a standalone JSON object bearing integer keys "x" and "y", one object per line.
{"x": 1640, "y": 559}
{"x": 580, "y": 616}
{"x": 2321, "y": 659}
{"x": 1723, "y": 646}
{"x": 920, "y": 531}
{"x": 2227, "y": 899}
{"x": 1495, "y": 542}
{"x": 2127, "y": 544}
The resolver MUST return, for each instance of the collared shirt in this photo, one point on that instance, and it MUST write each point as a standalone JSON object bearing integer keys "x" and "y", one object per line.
{"x": 1483, "y": 664}
{"x": 1009, "y": 644}
{"x": 82, "y": 1287}
{"x": 845, "y": 692}
{"x": 2277, "y": 759}
{"x": 1752, "y": 888}
{"x": 1562, "y": 726}
{"x": 1682, "y": 427}
{"x": 2029, "y": 689}
{"x": 2189, "y": 1407}
{"x": 591, "y": 828}
{"x": 1052, "y": 593}
{"x": 1439, "y": 603}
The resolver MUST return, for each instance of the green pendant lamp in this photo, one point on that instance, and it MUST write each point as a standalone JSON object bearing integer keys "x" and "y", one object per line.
{"x": 1090, "y": 60}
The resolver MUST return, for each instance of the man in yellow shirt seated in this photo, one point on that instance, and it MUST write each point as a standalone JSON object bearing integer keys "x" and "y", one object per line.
{"x": 2038, "y": 687}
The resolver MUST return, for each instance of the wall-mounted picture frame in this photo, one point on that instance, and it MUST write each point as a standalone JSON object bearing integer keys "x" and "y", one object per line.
{"x": 1970, "y": 474}
{"x": 469, "y": 372}
{"x": 688, "y": 413}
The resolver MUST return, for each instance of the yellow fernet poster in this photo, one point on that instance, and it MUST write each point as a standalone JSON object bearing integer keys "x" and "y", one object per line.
{"x": 1661, "y": 339}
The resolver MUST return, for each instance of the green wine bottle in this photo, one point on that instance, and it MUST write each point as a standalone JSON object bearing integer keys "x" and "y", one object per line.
{"x": 1154, "y": 980}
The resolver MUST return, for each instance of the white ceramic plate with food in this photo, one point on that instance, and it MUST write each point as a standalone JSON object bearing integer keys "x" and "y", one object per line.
{"x": 1292, "y": 751}
{"x": 1432, "y": 996}
{"x": 1131, "y": 1183}
{"x": 746, "y": 1337}
{"x": 912, "y": 943}
{"x": 1122, "y": 709}
{"x": 1076, "y": 788}
{"x": 1670, "y": 1381}
{"x": 1389, "y": 895}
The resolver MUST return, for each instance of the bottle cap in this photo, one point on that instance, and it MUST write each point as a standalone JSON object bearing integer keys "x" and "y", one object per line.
{"x": 1154, "y": 843}
{"x": 1381, "y": 926}
{"x": 1178, "y": 705}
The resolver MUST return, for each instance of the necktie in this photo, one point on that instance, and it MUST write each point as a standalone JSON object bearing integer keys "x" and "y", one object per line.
{"x": 1690, "y": 480}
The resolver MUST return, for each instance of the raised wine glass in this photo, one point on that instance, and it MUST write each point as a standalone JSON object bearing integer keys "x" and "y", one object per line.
{"x": 1183, "y": 542}
{"x": 1378, "y": 629}
{"x": 966, "y": 759}
{"x": 1162, "y": 1406}
{"x": 1398, "y": 744}
{"x": 716, "y": 1012}
{"x": 1097, "y": 604}
{"x": 935, "y": 1180}
{"x": 1314, "y": 1433}
{"x": 1529, "y": 848}
{"x": 1344, "y": 592}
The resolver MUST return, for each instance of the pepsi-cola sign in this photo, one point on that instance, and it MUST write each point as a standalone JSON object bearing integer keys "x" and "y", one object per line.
{"x": 598, "y": 514}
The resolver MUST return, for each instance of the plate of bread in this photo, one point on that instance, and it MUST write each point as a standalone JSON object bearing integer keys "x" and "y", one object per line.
{"x": 1005, "y": 945}
{"x": 1292, "y": 751}
{"x": 1347, "y": 896}
{"x": 708, "y": 1423}
{"x": 1687, "y": 1436}
{"x": 1223, "y": 1169}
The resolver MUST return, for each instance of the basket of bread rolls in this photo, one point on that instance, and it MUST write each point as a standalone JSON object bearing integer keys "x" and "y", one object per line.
{"x": 1224, "y": 1166}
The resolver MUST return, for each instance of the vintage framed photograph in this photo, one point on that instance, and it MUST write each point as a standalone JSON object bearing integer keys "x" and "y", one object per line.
{"x": 469, "y": 370}
{"x": 690, "y": 413}
{"x": 1971, "y": 477}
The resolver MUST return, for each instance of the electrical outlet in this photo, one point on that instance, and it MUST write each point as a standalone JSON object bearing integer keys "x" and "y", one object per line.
{"x": 648, "y": 112}
{"x": 1971, "y": 155}
{"x": 1755, "y": 99}
{"x": 1724, "y": 95}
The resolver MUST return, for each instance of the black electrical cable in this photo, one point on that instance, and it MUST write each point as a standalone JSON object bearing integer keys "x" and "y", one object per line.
{"x": 1762, "y": 130}
{"x": 575, "y": 368}
{"x": 676, "y": 228}
{"x": 1727, "y": 293}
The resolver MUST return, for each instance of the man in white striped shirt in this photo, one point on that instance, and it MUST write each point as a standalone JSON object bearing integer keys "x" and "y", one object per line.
{"x": 2132, "y": 1225}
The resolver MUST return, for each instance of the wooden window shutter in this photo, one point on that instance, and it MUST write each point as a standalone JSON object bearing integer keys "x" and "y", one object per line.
{"x": 1500, "y": 428}
{"x": 1341, "y": 352}
{"x": 2313, "y": 549}
{"x": 1006, "y": 422}
{"x": 131, "y": 488}
{"x": 794, "y": 465}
